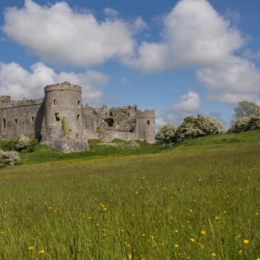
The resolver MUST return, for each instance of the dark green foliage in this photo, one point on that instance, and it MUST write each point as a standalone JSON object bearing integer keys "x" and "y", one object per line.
{"x": 10, "y": 145}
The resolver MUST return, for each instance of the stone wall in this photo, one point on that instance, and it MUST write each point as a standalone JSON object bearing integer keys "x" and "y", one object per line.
{"x": 22, "y": 117}
{"x": 42, "y": 119}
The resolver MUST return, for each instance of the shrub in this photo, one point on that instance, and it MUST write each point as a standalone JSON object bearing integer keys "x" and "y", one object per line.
{"x": 21, "y": 143}
{"x": 8, "y": 158}
{"x": 245, "y": 123}
{"x": 196, "y": 127}
{"x": 166, "y": 134}
{"x": 64, "y": 126}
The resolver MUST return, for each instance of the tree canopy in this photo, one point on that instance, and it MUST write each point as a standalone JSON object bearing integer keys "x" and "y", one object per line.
{"x": 244, "y": 109}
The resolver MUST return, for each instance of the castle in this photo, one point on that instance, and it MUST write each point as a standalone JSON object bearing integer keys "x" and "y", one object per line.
{"x": 60, "y": 121}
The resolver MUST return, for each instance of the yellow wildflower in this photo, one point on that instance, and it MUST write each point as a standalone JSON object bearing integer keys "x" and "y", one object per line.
{"x": 192, "y": 240}
{"x": 41, "y": 252}
{"x": 30, "y": 247}
{"x": 203, "y": 232}
{"x": 246, "y": 241}
{"x": 176, "y": 246}
{"x": 213, "y": 254}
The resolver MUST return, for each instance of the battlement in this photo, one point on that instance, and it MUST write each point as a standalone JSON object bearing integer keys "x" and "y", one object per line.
{"x": 63, "y": 86}
{"x": 5, "y": 99}
{"x": 21, "y": 103}
{"x": 146, "y": 113}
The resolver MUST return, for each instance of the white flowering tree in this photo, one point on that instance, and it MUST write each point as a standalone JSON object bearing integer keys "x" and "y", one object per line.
{"x": 245, "y": 123}
{"x": 166, "y": 134}
{"x": 196, "y": 127}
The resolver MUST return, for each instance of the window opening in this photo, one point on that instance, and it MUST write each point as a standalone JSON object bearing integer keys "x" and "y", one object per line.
{"x": 77, "y": 117}
{"x": 16, "y": 121}
{"x": 148, "y": 122}
{"x": 78, "y": 102}
{"x": 4, "y": 123}
{"x": 111, "y": 114}
{"x": 32, "y": 119}
{"x": 55, "y": 101}
{"x": 110, "y": 122}
{"x": 57, "y": 116}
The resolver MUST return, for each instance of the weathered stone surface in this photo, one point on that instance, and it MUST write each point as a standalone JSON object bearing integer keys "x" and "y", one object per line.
{"x": 60, "y": 120}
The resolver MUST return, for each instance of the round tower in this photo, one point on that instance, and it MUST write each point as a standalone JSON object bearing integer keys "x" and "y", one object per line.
{"x": 146, "y": 126}
{"x": 63, "y": 118}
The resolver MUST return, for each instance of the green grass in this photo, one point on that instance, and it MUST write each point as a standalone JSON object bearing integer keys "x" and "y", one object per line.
{"x": 146, "y": 203}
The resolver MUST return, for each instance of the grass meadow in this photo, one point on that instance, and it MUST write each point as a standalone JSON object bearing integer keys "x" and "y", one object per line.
{"x": 196, "y": 200}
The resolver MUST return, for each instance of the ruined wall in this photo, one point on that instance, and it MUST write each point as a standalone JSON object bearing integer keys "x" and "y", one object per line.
{"x": 21, "y": 117}
{"x": 146, "y": 126}
{"x": 42, "y": 119}
{"x": 63, "y": 118}
{"x": 90, "y": 121}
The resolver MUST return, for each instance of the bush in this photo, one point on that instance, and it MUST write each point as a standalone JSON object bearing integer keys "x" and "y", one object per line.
{"x": 8, "y": 158}
{"x": 22, "y": 143}
{"x": 245, "y": 123}
{"x": 195, "y": 127}
{"x": 166, "y": 134}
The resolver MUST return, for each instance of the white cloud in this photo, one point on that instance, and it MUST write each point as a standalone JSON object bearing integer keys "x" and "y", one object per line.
{"x": 60, "y": 34}
{"x": 110, "y": 12}
{"x": 160, "y": 120}
{"x": 18, "y": 82}
{"x": 125, "y": 81}
{"x": 189, "y": 105}
{"x": 189, "y": 102}
{"x": 194, "y": 34}
{"x": 232, "y": 81}
{"x": 251, "y": 55}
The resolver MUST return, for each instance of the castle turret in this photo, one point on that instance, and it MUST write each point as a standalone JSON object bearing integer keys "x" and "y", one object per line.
{"x": 146, "y": 125}
{"x": 63, "y": 118}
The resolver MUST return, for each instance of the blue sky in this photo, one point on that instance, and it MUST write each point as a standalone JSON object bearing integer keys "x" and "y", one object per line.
{"x": 177, "y": 57}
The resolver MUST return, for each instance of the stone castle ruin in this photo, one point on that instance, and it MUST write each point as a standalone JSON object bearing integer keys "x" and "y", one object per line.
{"x": 60, "y": 121}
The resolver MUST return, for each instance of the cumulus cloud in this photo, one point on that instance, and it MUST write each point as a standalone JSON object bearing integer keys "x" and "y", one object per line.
{"x": 194, "y": 34}
{"x": 189, "y": 105}
{"x": 248, "y": 53}
{"x": 18, "y": 82}
{"x": 110, "y": 12}
{"x": 189, "y": 102}
{"x": 160, "y": 120}
{"x": 60, "y": 34}
{"x": 232, "y": 81}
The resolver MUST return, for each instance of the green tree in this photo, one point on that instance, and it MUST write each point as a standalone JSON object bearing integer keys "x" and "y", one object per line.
{"x": 166, "y": 134}
{"x": 244, "y": 109}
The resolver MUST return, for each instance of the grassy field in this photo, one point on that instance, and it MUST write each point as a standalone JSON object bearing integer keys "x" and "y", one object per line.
{"x": 196, "y": 200}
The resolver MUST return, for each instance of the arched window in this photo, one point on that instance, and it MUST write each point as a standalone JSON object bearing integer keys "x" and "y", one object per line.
{"x": 78, "y": 117}
{"x": 110, "y": 122}
{"x": 4, "y": 123}
{"x": 15, "y": 120}
{"x": 32, "y": 119}
{"x": 148, "y": 122}
{"x": 78, "y": 102}
{"x": 55, "y": 102}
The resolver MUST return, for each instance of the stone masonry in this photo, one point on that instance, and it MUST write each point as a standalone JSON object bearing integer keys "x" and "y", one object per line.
{"x": 60, "y": 121}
